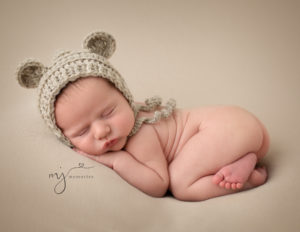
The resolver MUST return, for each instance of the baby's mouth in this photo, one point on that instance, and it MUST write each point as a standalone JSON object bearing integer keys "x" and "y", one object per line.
{"x": 110, "y": 143}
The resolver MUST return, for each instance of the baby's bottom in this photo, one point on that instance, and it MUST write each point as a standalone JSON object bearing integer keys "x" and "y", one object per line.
{"x": 209, "y": 166}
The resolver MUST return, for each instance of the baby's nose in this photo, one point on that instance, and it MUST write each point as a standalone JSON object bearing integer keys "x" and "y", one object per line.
{"x": 101, "y": 130}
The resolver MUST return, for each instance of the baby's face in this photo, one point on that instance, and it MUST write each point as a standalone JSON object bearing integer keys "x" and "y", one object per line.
{"x": 94, "y": 116}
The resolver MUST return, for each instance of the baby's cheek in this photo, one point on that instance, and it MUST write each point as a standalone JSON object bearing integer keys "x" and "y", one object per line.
{"x": 126, "y": 122}
{"x": 80, "y": 144}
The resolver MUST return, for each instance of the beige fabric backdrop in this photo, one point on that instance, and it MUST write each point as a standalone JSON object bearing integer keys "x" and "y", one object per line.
{"x": 199, "y": 52}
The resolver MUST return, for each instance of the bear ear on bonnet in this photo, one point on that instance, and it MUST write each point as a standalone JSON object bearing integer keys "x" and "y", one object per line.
{"x": 29, "y": 73}
{"x": 100, "y": 43}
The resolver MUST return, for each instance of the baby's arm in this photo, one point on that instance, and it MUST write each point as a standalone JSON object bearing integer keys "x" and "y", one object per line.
{"x": 143, "y": 165}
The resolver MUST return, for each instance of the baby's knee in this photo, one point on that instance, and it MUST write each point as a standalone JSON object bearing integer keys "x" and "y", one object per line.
{"x": 178, "y": 185}
{"x": 178, "y": 190}
{"x": 180, "y": 195}
{"x": 185, "y": 193}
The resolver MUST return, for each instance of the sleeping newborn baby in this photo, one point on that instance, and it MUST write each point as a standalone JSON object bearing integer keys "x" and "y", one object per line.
{"x": 196, "y": 154}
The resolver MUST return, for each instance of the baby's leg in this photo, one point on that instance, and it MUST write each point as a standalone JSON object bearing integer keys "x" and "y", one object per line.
{"x": 192, "y": 171}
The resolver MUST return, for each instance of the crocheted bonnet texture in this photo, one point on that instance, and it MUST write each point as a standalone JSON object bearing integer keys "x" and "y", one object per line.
{"x": 69, "y": 66}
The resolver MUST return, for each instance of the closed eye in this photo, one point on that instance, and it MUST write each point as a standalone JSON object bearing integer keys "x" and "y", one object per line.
{"x": 82, "y": 132}
{"x": 107, "y": 112}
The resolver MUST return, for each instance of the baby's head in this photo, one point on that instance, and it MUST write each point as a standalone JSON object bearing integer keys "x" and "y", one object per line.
{"x": 81, "y": 94}
{"x": 94, "y": 115}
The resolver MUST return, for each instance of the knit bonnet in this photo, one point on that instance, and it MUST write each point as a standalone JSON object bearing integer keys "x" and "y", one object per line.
{"x": 69, "y": 66}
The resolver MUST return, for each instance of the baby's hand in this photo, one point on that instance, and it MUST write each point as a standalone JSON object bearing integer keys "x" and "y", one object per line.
{"x": 107, "y": 158}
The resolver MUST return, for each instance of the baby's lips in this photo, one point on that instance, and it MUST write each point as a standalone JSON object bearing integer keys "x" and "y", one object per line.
{"x": 110, "y": 143}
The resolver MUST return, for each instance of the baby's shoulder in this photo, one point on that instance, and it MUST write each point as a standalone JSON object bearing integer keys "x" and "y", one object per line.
{"x": 145, "y": 145}
{"x": 146, "y": 137}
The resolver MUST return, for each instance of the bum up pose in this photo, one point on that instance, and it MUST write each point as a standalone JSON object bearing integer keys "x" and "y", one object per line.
{"x": 197, "y": 154}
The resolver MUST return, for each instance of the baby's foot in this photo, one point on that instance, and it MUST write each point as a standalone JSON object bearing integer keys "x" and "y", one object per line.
{"x": 235, "y": 175}
{"x": 257, "y": 177}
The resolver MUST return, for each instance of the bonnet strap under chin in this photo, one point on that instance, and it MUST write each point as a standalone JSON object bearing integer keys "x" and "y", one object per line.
{"x": 150, "y": 105}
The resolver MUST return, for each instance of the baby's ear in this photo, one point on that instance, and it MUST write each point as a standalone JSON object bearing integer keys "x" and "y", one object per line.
{"x": 29, "y": 73}
{"x": 100, "y": 43}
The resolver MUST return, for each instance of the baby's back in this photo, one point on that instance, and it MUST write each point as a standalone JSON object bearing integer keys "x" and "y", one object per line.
{"x": 175, "y": 131}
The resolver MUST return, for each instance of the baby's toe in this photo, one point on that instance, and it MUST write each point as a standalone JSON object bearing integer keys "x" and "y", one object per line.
{"x": 233, "y": 186}
{"x": 228, "y": 185}
{"x": 239, "y": 185}
{"x": 222, "y": 184}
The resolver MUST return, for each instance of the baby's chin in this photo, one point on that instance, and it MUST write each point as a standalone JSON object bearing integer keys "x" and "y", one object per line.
{"x": 115, "y": 149}
{"x": 119, "y": 145}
